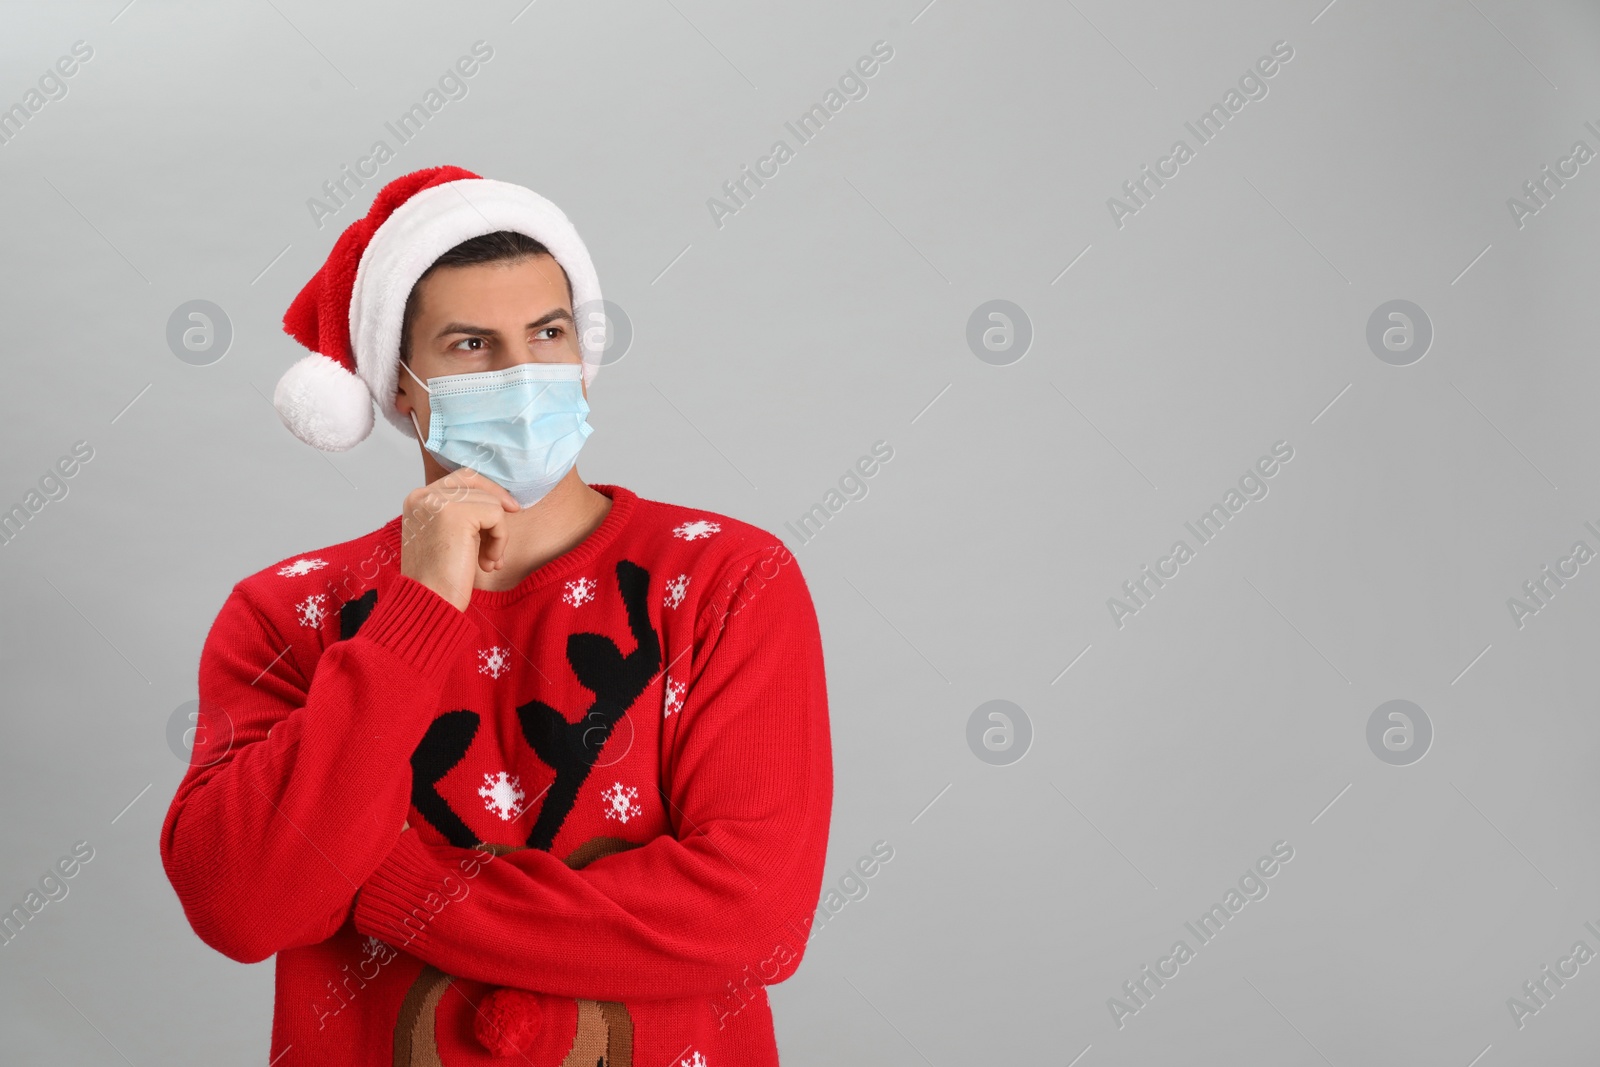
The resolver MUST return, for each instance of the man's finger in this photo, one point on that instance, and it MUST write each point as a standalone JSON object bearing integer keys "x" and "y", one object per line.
{"x": 492, "y": 541}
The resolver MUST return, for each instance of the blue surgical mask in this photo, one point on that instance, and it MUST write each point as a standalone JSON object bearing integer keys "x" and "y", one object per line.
{"x": 520, "y": 427}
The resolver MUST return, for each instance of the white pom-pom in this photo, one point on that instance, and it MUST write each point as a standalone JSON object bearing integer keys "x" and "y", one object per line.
{"x": 323, "y": 404}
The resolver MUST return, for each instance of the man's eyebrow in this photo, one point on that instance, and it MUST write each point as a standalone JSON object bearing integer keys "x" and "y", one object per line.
{"x": 485, "y": 331}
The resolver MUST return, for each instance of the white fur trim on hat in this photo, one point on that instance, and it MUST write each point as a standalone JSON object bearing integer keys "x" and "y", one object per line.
{"x": 428, "y": 225}
{"x": 323, "y": 404}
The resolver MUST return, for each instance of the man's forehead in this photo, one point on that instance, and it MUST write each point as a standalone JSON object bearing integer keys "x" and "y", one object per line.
{"x": 469, "y": 281}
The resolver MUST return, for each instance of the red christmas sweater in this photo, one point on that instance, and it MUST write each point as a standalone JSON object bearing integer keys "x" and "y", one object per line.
{"x": 618, "y": 777}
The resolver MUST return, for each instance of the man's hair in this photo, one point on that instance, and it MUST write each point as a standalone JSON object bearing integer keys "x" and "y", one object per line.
{"x": 499, "y": 246}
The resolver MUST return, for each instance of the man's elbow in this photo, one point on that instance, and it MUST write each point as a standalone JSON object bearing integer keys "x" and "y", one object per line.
{"x": 760, "y": 961}
{"x": 243, "y": 949}
{"x": 240, "y": 942}
{"x": 774, "y": 955}
{"x": 222, "y": 923}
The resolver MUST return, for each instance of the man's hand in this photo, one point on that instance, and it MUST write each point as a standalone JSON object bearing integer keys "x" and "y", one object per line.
{"x": 451, "y": 528}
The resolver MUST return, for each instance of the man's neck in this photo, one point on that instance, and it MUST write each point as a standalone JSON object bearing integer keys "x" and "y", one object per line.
{"x": 557, "y": 523}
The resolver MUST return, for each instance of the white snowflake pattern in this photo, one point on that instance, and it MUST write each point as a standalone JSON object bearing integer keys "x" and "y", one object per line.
{"x": 693, "y": 1059}
{"x": 494, "y": 661}
{"x": 676, "y": 587}
{"x": 502, "y": 794}
{"x": 619, "y": 801}
{"x": 302, "y": 566}
{"x": 310, "y": 611}
{"x": 674, "y": 697}
{"x": 693, "y": 531}
{"x": 372, "y": 946}
{"x": 579, "y": 592}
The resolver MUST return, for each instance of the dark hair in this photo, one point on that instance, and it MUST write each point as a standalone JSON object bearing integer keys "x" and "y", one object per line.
{"x": 497, "y": 247}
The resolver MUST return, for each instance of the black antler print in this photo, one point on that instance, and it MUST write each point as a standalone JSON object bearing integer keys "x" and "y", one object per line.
{"x": 352, "y": 613}
{"x": 616, "y": 680}
{"x": 442, "y": 747}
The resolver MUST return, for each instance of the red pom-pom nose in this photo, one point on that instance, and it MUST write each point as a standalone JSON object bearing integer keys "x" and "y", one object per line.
{"x": 508, "y": 1021}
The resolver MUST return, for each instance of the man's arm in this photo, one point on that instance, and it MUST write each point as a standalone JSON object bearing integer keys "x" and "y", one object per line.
{"x": 295, "y": 792}
{"x": 750, "y": 796}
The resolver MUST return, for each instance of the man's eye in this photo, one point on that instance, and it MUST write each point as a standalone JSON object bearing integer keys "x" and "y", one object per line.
{"x": 465, "y": 340}
{"x": 552, "y": 329}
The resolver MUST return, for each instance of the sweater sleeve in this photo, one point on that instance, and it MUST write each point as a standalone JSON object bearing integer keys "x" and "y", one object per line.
{"x": 750, "y": 793}
{"x": 295, "y": 792}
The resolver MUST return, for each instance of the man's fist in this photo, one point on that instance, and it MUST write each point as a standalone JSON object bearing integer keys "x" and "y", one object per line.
{"x": 452, "y": 528}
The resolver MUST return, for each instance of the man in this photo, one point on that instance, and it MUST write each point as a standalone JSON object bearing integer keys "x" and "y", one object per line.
{"x": 538, "y": 770}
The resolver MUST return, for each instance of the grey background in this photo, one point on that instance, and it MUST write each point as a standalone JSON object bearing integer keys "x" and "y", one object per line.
{"x": 770, "y": 354}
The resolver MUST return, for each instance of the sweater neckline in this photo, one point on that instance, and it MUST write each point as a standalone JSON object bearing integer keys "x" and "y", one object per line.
{"x": 623, "y": 501}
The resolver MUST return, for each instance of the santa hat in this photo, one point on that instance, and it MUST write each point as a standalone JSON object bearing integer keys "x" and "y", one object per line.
{"x": 350, "y": 313}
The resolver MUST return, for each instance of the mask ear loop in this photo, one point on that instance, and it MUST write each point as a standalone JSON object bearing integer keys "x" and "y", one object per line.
{"x": 421, "y": 437}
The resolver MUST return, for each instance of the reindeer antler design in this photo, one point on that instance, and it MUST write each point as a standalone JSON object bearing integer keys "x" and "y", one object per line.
{"x": 616, "y": 680}
{"x": 605, "y": 1029}
{"x": 443, "y": 746}
{"x": 568, "y": 748}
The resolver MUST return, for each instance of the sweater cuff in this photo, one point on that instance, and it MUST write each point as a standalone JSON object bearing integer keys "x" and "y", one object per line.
{"x": 403, "y": 895}
{"x": 418, "y": 625}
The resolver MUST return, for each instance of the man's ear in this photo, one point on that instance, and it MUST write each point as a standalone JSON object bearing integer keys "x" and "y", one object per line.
{"x": 402, "y": 402}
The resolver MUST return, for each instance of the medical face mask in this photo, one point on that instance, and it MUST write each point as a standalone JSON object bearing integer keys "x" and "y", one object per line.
{"x": 520, "y": 427}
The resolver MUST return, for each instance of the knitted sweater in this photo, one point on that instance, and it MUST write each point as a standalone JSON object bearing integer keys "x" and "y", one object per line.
{"x": 618, "y": 778}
